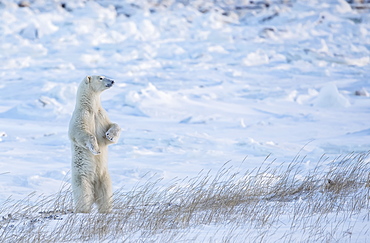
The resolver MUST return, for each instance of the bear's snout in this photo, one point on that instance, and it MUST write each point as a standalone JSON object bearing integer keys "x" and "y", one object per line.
{"x": 108, "y": 82}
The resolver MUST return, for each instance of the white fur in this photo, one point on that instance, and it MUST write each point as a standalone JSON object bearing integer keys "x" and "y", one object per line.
{"x": 90, "y": 132}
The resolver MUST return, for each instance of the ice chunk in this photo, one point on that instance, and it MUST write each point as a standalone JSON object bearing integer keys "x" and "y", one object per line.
{"x": 329, "y": 96}
{"x": 362, "y": 92}
{"x": 343, "y": 7}
{"x": 256, "y": 58}
{"x": 30, "y": 32}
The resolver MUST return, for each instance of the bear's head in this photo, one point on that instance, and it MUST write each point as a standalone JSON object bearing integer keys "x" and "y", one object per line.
{"x": 98, "y": 83}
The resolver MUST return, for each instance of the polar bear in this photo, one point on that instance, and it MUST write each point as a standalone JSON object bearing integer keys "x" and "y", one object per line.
{"x": 90, "y": 132}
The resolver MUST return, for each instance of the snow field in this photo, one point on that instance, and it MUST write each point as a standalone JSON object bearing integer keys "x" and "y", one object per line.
{"x": 193, "y": 89}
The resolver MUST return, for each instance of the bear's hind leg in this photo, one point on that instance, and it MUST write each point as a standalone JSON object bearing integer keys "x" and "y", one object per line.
{"x": 103, "y": 193}
{"x": 83, "y": 195}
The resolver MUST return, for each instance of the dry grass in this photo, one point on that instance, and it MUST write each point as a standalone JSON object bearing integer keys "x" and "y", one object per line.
{"x": 264, "y": 205}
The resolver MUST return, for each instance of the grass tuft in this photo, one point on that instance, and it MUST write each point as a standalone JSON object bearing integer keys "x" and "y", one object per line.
{"x": 267, "y": 204}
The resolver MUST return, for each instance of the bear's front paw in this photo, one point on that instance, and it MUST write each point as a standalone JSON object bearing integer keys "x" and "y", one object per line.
{"x": 93, "y": 146}
{"x": 113, "y": 133}
{"x": 94, "y": 151}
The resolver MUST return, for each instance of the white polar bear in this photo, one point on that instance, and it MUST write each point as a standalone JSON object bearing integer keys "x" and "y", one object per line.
{"x": 90, "y": 132}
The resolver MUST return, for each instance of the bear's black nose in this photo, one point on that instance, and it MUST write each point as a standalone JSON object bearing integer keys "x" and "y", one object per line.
{"x": 112, "y": 81}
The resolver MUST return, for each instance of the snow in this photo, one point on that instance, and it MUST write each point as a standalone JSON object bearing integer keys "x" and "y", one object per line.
{"x": 330, "y": 97}
{"x": 192, "y": 90}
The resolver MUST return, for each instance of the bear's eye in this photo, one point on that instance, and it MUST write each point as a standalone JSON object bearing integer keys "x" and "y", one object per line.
{"x": 101, "y": 78}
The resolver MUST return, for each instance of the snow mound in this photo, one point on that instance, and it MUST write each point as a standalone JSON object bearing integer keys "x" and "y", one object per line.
{"x": 256, "y": 58}
{"x": 329, "y": 97}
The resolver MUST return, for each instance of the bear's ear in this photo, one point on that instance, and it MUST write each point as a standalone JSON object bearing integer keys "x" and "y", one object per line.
{"x": 88, "y": 79}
